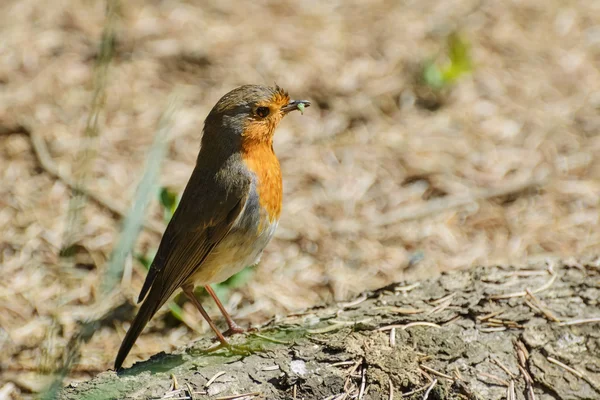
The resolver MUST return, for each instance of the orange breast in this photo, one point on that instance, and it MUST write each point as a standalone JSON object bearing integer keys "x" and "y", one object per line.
{"x": 260, "y": 158}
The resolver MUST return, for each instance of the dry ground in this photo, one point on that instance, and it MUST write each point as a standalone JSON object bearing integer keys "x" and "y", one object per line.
{"x": 363, "y": 168}
{"x": 471, "y": 334}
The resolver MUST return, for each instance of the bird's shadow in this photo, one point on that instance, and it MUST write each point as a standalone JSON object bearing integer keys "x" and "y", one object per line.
{"x": 158, "y": 363}
{"x": 245, "y": 345}
{"x": 164, "y": 363}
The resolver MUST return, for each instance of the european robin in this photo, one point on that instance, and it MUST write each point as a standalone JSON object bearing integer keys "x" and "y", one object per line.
{"x": 229, "y": 209}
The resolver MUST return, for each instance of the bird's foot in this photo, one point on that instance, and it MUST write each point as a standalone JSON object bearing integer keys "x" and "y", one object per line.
{"x": 234, "y": 329}
{"x": 234, "y": 349}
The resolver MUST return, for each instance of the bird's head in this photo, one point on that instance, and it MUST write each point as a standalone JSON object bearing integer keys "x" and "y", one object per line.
{"x": 249, "y": 114}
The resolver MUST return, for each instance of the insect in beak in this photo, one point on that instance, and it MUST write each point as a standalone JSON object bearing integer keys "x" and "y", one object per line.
{"x": 296, "y": 105}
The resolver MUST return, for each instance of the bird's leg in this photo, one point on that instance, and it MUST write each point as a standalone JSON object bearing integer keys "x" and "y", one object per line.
{"x": 189, "y": 292}
{"x": 233, "y": 327}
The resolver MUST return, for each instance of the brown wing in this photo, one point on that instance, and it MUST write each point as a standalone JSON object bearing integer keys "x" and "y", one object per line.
{"x": 200, "y": 222}
{"x": 192, "y": 246}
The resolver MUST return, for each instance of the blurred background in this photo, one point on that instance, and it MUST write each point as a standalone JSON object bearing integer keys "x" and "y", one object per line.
{"x": 442, "y": 135}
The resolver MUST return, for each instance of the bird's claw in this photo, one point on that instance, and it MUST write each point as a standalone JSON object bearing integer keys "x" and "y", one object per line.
{"x": 234, "y": 349}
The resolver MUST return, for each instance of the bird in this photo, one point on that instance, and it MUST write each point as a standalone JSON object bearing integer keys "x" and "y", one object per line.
{"x": 228, "y": 211}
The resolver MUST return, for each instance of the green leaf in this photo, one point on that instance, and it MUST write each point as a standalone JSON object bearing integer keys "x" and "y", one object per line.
{"x": 168, "y": 199}
{"x": 460, "y": 58}
{"x": 459, "y": 63}
{"x": 176, "y": 311}
{"x": 433, "y": 76}
{"x": 145, "y": 259}
{"x": 238, "y": 279}
{"x": 222, "y": 289}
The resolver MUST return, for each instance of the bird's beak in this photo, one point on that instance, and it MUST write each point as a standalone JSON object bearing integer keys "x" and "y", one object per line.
{"x": 295, "y": 105}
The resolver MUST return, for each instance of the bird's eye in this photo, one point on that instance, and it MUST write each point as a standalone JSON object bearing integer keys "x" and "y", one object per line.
{"x": 262, "y": 111}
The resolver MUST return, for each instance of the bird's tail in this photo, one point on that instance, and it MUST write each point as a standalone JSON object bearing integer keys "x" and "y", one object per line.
{"x": 149, "y": 307}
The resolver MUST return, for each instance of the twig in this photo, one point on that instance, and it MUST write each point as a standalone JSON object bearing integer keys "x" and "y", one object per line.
{"x": 425, "y": 374}
{"x": 410, "y": 325}
{"x": 342, "y": 363}
{"x": 571, "y": 370}
{"x": 420, "y": 323}
{"x": 400, "y": 310}
{"x": 503, "y": 367}
{"x": 510, "y": 391}
{"x": 426, "y": 395}
{"x": 363, "y": 382}
{"x": 456, "y": 318}
{"x": 457, "y": 375}
{"x": 580, "y": 321}
{"x": 490, "y": 330}
{"x": 495, "y": 378}
{"x": 171, "y": 393}
{"x": 440, "y": 307}
{"x": 443, "y": 299}
{"x": 490, "y": 315}
{"x": 545, "y": 286}
{"x": 175, "y": 385}
{"x": 414, "y": 391}
{"x": 530, "y": 392}
{"x": 433, "y": 371}
{"x": 354, "y": 367}
{"x": 525, "y": 374}
{"x": 171, "y": 398}
{"x": 214, "y": 378}
{"x": 349, "y": 373}
{"x": 522, "y": 352}
{"x": 547, "y": 313}
{"x": 238, "y": 396}
{"x": 528, "y": 382}
{"x": 493, "y": 322}
{"x": 581, "y": 375}
{"x": 353, "y": 303}
{"x": 407, "y": 288}
{"x": 337, "y": 325}
{"x": 190, "y": 390}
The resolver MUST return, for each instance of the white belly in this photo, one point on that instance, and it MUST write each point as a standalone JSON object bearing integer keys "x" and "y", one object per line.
{"x": 236, "y": 251}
